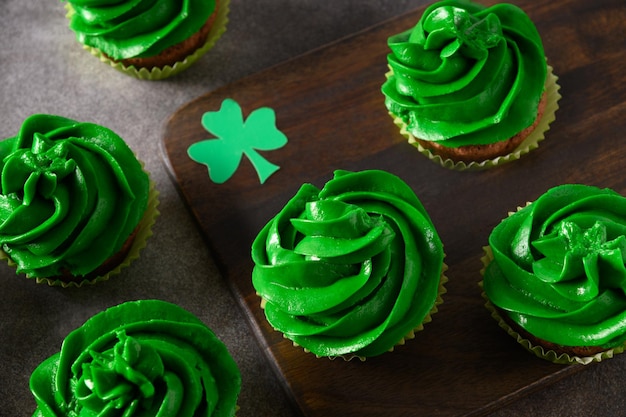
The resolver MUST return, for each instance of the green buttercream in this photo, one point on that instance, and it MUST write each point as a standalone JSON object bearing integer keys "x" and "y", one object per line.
{"x": 137, "y": 28}
{"x": 351, "y": 268}
{"x": 466, "y": 74}
{"x": 559, "y": 267}
{"x": 140, "y": 358}
{"x": 71, "y": 194}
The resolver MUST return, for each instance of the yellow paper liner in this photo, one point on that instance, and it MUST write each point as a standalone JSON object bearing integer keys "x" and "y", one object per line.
{"x": 538, "y": 350}
{"x": 139, "y": 242}
{"x": 158, "y": 73}
{"x": 530, "y": 143}
{"x": 443, "y": 279}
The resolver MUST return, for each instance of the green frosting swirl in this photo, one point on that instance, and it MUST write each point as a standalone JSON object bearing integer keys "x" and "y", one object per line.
{"x": 140, "y": 358}
{"x": 351, "y": 268}
{"x": 71, "y": 195}
{"x": 137, "y": 28}
{"x": 466, "y": 74}
{"x": 559, "y": 267}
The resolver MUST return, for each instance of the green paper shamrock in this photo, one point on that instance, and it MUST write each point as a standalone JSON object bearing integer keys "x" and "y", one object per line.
{"x": 236, "y": 138}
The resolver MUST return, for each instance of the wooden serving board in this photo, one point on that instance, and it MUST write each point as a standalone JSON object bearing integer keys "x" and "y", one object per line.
{"x": 329, "y": 105}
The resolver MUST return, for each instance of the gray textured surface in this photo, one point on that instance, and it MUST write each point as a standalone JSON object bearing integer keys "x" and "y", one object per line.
{"x": 43, "y": 69}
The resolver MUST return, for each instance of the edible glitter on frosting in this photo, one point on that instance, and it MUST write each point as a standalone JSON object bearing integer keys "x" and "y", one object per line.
{"x": 559, "y": 267}
{"x": 140, "y": 358}
{"x": 71, "y": 195}
{"x": 350, "y": 269}
{"x": 137, "y": 28}
{"x": 235, "y": 138}
{"x": 466, "y": 74}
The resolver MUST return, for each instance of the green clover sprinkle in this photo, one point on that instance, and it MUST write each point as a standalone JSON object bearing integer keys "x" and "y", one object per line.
{"x": 235, "y": 138}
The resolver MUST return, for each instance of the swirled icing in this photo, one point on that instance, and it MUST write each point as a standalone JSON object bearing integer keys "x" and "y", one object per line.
{"x": 137, "y": 28}
{"x": 140, "y": 358}
{"x": 466, "y": 74}
{"x": 558, "y": 269}
{"x": 71, "y": 195}
{"x": 351, "y": 268}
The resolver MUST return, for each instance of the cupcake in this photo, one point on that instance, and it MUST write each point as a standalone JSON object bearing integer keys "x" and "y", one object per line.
{"x": 350, "y": 270}
{"x": 75, "y": 204}
{"x": 469, "y": 85}
{"x": 146, "y": 38}
{"x": 555, "y": 275}
{"x": 139, "y": 358}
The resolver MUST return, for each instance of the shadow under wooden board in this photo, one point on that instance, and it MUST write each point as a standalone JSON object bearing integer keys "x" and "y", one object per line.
{"x": 328, "y": 103}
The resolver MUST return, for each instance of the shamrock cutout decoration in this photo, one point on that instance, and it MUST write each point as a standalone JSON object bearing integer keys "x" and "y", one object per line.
{"x": 235, "y": 138}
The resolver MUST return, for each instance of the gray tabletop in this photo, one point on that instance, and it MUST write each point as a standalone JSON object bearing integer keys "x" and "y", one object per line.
{"x": 44, "y": 70}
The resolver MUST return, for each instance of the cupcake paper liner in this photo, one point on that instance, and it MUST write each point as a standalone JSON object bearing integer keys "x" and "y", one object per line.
{"x": 530, "y": 143}
{"x": 443, "y": 279}
{"x": 158, "y": 73}
{"x": 538, "y": 350}
{"x": 139, "y": 242}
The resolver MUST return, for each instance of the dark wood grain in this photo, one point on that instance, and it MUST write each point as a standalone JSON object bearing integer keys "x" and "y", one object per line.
{"x": 329, "y": 105}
